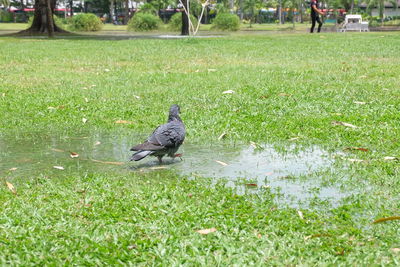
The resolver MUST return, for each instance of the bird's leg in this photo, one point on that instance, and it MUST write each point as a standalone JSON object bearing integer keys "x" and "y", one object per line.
{"x": 159, "y": 159}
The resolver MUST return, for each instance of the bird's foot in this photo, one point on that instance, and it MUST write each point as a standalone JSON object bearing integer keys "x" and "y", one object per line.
{"x": 178, "y": 156}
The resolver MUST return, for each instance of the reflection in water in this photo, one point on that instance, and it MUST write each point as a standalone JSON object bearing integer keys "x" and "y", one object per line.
{"x": 280, "y": 172}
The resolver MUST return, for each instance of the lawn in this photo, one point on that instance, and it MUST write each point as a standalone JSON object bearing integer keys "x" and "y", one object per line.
{"x": 334, "y": 91}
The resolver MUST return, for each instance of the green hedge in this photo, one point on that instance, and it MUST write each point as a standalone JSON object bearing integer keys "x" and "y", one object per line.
{"x": 85, "y": 22}
{"x": 226, "y": 22}
{"x": 144, "y": 22}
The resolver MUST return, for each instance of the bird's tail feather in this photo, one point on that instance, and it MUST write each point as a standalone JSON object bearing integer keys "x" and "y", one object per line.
{"x": 141, "y": 154}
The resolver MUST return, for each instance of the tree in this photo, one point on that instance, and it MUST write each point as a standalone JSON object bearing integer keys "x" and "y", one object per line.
{"x": 251, "y": 6}
{"x": 43, "y": 21}
{"x": 185, "y": 19}
{"x": 381, "y": 7}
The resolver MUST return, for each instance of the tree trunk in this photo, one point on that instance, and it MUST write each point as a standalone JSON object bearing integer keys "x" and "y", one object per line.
{"x": 71, "y": 3}
{"x": 185, "y": 20}
{"x": 43, "y": 21}
{"x": 126, "y": 18}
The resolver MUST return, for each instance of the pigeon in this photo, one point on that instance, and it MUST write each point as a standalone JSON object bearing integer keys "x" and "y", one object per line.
{"x": 165, "y": 140}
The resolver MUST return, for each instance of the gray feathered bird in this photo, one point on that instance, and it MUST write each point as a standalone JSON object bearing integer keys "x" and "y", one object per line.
{"x": 165, "y": 140}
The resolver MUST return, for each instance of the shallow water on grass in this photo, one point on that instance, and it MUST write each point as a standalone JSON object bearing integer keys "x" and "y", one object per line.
{"x": 294, "y": 174}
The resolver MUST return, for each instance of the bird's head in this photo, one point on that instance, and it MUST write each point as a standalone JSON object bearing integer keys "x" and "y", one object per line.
{"x": 174, "y": 111}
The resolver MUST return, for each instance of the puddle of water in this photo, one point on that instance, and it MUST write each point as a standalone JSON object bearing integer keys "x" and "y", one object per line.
{"x": 265, "y": 169}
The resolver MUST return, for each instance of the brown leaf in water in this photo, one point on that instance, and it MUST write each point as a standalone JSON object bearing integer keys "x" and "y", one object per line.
{"x": 255, "y": 185}
{"x": 58, "y": 167}
{"x": 222, "y": 163}
{"x": 123, "y": 122}
{"x": 11, "y": 188}
{"x": 343, "y": 124}
{"x": 13, "y": 169}
{"x": 108, "y": 162}
{"x": 392, "y": 218}
{"x": 57, "y": 150}
{"x": 73, "y": 154}
{"x": 206, "y": 231}
{"x": 357, "y": 148}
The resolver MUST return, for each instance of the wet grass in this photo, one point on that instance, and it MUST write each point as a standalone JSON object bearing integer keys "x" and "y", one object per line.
{"x": 288, "y": 88}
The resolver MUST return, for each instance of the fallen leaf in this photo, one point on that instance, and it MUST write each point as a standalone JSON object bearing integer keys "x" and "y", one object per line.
{"x": 395, "y": 250}
{"x": 356, "y": 160}
{"x": 357, "y": 148}
{"x": 3, "y": 94}
{"x": 266, "y": 186}
{"x": 123, "y": 122}
{"x": 259, "y": 235}
{"x": 254, "y": 145}
{"x": 132, "y": 247}
{"x": 97, "y": 143}
{"x": 57, "y": 150}
{"x": 86, "y": 100}
{"x": 337, "y": 114}
{"x": 359, "y": 103}
{"x": 363, "y": 76}
{"x": 228, "y": 92}
{"x": 222, "y": 163}
{"x": 11, "y": 187}
{"x": 255, "y": 185}
{"x": 206, "y": 231}
{"x": 294, "y": 138}
{"x": 51, "y": 108}
{"x": 343, "y": 124}
{"x": 108, "y": 162}
{"x": 58, "y": 167}
{"x": 13, "y": 169}
{"x": 390, "y": 158}
{"x": 106, "y": 70}
{"x": 73, "y": 154}
{"x": 300, "y": 214}
{"x": 158, "y": 168}
{"x": 222, "y": 136}
{"x": 136, "y": 96}
{"x": 284, "y": 94}
{"x": 211, "y": 70}
{"x": 392, "y": 218}
{"x": 263, "y": 97}
{"x": 190, "y": 195}
{"x": 84, "y": 120}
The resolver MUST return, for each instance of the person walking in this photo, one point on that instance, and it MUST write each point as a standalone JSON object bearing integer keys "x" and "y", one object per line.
{"x": 315, "y": 12}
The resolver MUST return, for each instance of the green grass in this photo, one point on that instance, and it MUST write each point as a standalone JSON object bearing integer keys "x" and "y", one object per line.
{"x": 285, "y": 86}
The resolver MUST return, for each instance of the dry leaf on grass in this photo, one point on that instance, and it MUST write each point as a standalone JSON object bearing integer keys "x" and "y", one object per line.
{"x": 222, "y": 163}
{"x": 395, "y": 250}
{"x": 228, "y": 92}
{"x": 293, "y": 139}
{"x": 57, "y": 150}
{"x": 356, "y": 148}
{"x": 108, "y": 162}
{"x": 123, "y": 122}
{"x": 97, "y": 143}
{"x": 392, "y": 218}
{"x": 58, "y": 167}
{"x": 356, "y": 160}
{"x": 13, "y": 169}
{"x": 73, "y": 154}
{"x": 343, "y": 124}
{"x": 159, "y": 168}
{"x": 206, "y": 231}
{"x": 284, "y": 94}
{"x": 390, "y": 158}
{"x": 84, "y": 120}
{"x": 11, "y": 188}
{"x": 222, "y": 136}
{"x": 359, "y": 103}
{"x": 300, "y": 214}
